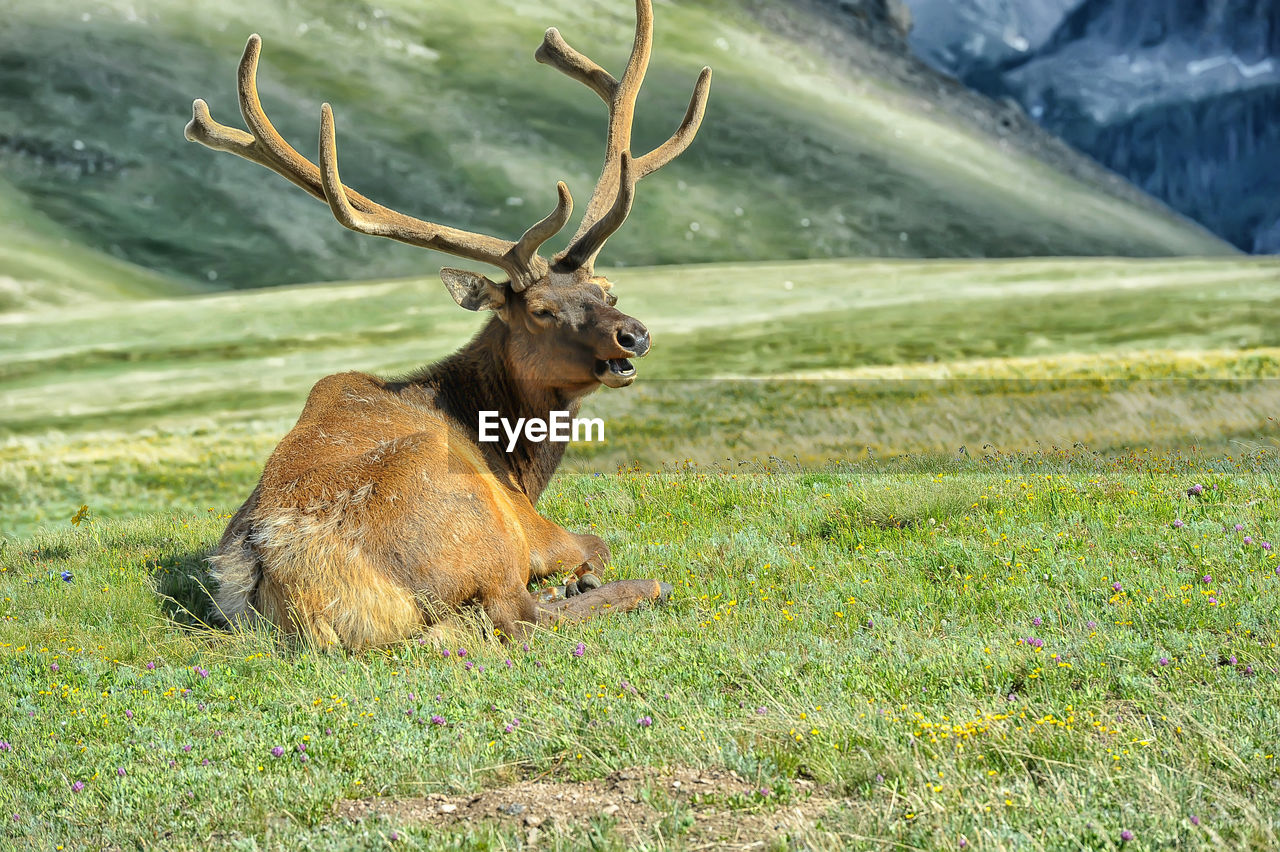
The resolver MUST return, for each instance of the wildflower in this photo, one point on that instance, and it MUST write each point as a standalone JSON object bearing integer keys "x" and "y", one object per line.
{"x": 509, "y": 728}
{"x": 437, "y": 720}
{"x": 1266, "y": 545}
{"x": 1091, "y": 625}
{"x": 1239, "y": 527}
{"x": 278, "y": 751}
{"x": 1195, "y": 490}
{"x": 510, "y": 664}
{"x": 470, "y": 665}
{"x": 1213, "y": 601}
{"x": 1164, "y": 661}
{"x": 766, "y": 792}
{"x": 1126, "y": 835}
{"x": 67, "y": 578}
{"x": 77, "y": 787}
{"x": 393, "y": 836}
{"x": 760, "y": 711}
{"x": 204, "y": 762}
{"x": 302, "y": 746}
{"x": 4, "y": 746}
{"x": 120, "y": 771}
{"x": 1195, "y": 820}
{"x": 1232, "y": 659}
{"x": 1177, "y": 524}
{"x": 204, "y": 673}
{"x": 446, "y": 652}
{"x": 151, "y": 666}
{"x": 1037, "y": 621}
{"x": 1207, "y": 578}
{"x": 53, "y": 667}
{"x": 962, "y": 842}
{"x": 1248, "y": 670}
{"x": 187, "y": 748}
{"x": 1248, "y": 539}
{"x": 645, "y": 721}
{"x": 1116, "y": 585}
{"x": 580, "y": 650}
{"x": 462, "y": 652}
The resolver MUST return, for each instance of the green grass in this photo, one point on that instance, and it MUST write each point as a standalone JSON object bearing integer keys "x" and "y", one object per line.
{"x": 790, "y": 458}
{"x": 444, "y": 114}
{"x": 873, "y": 674}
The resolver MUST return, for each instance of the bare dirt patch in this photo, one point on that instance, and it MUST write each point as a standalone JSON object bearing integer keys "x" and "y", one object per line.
{"x": 711, "y": 808}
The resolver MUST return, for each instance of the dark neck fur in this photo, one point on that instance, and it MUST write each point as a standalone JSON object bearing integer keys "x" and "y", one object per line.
{"x": 478, "y": 378}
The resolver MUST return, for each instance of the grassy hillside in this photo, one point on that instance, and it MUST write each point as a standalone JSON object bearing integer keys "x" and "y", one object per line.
{"x": 44, "y": 265}
{"x": 174, "y": 404}
{"x": 443, "y": 113}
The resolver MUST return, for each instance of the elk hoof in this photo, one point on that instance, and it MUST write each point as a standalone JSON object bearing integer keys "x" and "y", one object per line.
{"x": 571, "y": 589}
{"x": 589, "y": 581}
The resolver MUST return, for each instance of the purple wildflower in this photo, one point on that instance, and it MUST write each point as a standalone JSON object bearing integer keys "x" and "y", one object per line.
{"x": 1248, "y": 539}
{"x": 580, "y": 650}
{"x": 462, "y": 652}
{"x": 1126, "y": 835}
{"x": 1037, "y": 621}
{"x": 437, "y": 720}
{"x": 4, "y": 746}
{"x": 446, "y": 652}
{"x": 766, "y": 792}
{"x": 151, "y": 666}
{"x": 760, "y": 711}
{"x": 77, "y": 787}
{"x": 278, "y": 751}
{"x": 1232, "y": 659}
{"x": 1164, "y": 661}
{"x": 1248, "y": 670}
{"x": 1266, "y": 545}
{"x": 393, "y": 836}
{"x": 1239, "y": 527}
{"x": 1116, "y": 585}
{"x": 120, "y": 771}
{"x": 1208, "y": 578}
{"x": 470, "y": 665}
{"x": 1091, "y": 625}
{"x": 1213, "y": 601}
{"x": 645, "y": 721}
{"x": 187, "y": 748}
{"x": 67, "y": 578}
{"x": 302, "y": 746}
{"x": 1195, "y": 820}
{"x": 53, "y": 667}
{"x": 1195, "y": 490}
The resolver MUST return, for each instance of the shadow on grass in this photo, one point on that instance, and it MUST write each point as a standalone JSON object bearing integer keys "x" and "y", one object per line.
{"x": 184, "y": 585}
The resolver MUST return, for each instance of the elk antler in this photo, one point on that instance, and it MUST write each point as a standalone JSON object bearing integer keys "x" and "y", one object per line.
{"x": 611, "y": 200}
{"x": 264, "y": 146}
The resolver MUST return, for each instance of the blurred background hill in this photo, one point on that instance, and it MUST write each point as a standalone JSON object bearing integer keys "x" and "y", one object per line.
{"x": 1180, "y": 96}
{"x": 825, "y": 137}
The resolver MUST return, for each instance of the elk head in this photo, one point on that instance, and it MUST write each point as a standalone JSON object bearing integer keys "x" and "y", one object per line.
{"x": 564, "y": 329}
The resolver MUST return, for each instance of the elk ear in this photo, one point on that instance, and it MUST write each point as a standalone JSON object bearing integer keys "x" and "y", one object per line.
{"x": 474, "y": 291}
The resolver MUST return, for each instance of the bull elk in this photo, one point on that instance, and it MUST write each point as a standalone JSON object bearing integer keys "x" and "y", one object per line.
{"x": 381, "y": 508}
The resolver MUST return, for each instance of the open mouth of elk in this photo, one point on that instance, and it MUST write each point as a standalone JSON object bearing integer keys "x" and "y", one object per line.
{"x": 615, "y": 370}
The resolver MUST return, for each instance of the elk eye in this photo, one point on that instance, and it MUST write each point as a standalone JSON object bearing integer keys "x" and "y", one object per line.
{"x": 543, "y": 314}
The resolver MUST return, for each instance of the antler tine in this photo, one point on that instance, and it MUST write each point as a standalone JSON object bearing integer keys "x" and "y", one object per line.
{"x": 525, "y": 251}
{"x": 582, "y": 251}
{"x": 683, "y": 137}
{"x": 615, "y": 190}
{"x": 557, "y": 53}
{"x": 265, "y": 146}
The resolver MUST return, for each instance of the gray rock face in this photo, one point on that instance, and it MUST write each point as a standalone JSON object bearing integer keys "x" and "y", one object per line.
{"x": 1180, "y": 96}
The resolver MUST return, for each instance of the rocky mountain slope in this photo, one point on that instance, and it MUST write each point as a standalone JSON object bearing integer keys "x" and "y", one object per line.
{"x": 1183, "y": 98}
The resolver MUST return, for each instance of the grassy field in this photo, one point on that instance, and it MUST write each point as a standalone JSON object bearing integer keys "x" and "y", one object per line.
{"x": 878, "y": 639}
{"x": 444, "y": 114}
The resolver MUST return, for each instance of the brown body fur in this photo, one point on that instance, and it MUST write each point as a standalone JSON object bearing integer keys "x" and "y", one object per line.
{"x": 380, "y": 510}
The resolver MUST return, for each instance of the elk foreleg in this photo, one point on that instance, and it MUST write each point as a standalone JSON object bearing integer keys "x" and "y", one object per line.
{"x": 618, "y": 596}
{"x": 561, "y": 551}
